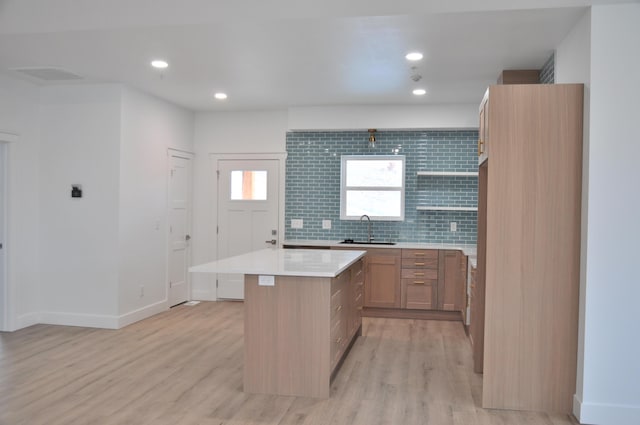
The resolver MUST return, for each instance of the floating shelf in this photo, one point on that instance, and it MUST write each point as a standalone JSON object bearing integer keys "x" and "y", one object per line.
{"x": 449, "y": 173}
{"x": 433, "y": 208}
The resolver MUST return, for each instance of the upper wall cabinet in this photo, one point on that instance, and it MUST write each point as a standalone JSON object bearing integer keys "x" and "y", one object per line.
{"x": 483, "y": 130}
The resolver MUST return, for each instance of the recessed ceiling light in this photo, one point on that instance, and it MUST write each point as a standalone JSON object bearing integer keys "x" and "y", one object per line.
{"x": 419, "y": 92}
{"x": 160, "y": 64}
{"x": 220, "y": 96}
{"x": 414, "y": 56}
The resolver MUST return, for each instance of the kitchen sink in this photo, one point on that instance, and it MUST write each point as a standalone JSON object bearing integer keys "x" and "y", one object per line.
{"x": 352, "y": 242}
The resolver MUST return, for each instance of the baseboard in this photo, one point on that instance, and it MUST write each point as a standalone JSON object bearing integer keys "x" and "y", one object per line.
{"x": 76, "y": 319}
{"x": 26, "y": 320}
{"x": 605, "y": 414}
{"x": 398, "y": 313}
{"x": 203, "y": 295}
{"x": 142, "y": 313}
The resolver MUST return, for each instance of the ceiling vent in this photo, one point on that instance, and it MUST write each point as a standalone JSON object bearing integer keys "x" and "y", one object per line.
{"x": 49, "y": 74}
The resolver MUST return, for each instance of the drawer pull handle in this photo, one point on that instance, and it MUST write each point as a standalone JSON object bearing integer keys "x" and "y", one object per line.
{"x": 418, "y": 282}
{"x": 419, "y": 264}
{"x": 419, "y": 254}
{"x": 338, "y": 340}
{"x": 339, "y": 308}
{"x": 359, "y": 308}
{"x": 418, "y": 274}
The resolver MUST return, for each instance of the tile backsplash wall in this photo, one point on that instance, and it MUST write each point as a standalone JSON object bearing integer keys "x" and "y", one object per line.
{"x": 313, "y": 184}
{"x": 547, "y": 73}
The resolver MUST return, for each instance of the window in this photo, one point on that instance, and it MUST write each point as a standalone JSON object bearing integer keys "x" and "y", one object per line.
{"x": 248, "y": 185}
{"x": 372, "y": 185}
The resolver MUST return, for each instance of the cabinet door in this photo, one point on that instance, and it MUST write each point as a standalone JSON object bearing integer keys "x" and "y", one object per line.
{"x": 449, "y": 281}
{"x": 382, "y": 278}
{"x": 419, "y": 293}
{"x": 483, "y": 130}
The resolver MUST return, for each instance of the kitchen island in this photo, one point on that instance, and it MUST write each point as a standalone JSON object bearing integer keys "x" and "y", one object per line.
{"x": 301, "y": 316}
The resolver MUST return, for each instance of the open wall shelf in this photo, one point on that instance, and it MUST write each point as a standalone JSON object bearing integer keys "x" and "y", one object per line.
{"x": 437, "y": 208}
{"x": 448, "y": 173}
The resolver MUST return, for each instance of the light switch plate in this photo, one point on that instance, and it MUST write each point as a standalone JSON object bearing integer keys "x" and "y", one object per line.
{"x": 454, "y": 226}
{"x": 297, "y": 223}
{"x": 326, "y": 224}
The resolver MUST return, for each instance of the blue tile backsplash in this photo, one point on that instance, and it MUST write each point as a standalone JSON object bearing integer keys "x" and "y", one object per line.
{"x": 547, "y": 73}
{"x": 313, "y": 184}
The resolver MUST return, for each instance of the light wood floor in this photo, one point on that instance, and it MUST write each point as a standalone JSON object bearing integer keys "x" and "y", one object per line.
{"x": 185, "y": 367}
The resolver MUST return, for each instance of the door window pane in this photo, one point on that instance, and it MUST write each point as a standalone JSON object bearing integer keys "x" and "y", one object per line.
{"x": 248, "y": 185}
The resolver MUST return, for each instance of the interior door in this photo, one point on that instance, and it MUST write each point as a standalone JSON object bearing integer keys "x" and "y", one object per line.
{"x": 3, "y": 287}
{"x": 179, "y": 226}
{"x": 248, "y": 192}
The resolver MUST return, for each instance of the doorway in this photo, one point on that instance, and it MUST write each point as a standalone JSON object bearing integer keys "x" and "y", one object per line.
{"x": 179, "y": 216}
{"x": 248, "y": 203}
{"x": 4, "y": 305}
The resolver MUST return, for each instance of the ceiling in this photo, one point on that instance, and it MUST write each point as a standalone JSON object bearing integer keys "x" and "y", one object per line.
{"x": 283, "y": 53}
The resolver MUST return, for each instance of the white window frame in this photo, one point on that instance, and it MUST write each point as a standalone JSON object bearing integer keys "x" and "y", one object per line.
{"x": 344, "y": 188}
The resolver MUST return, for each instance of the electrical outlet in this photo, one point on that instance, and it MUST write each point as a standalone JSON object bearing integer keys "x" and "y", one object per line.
{"x": 297, "y": 223}
{"x": 326, "y": 224}
{"x": 454, "y": 226}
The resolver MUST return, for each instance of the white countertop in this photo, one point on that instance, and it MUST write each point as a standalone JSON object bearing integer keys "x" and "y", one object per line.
{"x": 285, "y": 262}
{"x": 468, "y": 250}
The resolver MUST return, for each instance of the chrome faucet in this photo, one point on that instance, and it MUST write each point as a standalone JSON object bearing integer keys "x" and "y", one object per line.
{"x": 369, "y": 220}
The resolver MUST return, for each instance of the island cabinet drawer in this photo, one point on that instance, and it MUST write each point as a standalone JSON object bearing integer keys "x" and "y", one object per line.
{"x": 340, "y": 281}
{"x": 357, "y": 272}
{"x": 419, "y": 273}
{"x": 337, "y": 303}
{"x": 338, "y": 340}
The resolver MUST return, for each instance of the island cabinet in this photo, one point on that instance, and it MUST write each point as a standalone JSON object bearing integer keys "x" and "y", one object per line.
{"x": 298, "y": 331}
{"x": 382, "y": 278}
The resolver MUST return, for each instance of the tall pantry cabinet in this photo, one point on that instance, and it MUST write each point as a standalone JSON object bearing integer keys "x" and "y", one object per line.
{"x": 529, "y": 244}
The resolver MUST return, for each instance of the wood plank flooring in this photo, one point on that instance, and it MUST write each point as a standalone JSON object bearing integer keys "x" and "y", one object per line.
{"x": 184, "y": 366}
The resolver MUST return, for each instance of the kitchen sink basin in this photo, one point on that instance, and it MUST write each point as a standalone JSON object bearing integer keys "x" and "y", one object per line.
{"x": 352, "y": 242}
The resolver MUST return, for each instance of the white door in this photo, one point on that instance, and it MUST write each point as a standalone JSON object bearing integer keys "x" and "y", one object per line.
{"x": 179, "y": 226}
{"x": 247, "y": 214}
{"x": 3, "y": 248}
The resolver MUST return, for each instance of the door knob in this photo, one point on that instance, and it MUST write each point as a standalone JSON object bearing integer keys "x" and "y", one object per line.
{"x": 272, "y": 242}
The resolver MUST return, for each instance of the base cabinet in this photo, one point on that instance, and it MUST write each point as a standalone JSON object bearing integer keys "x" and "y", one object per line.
{"x": 450, "y": 281}
{"x": 419, "y": 279}
{"x": 382, "y": 278}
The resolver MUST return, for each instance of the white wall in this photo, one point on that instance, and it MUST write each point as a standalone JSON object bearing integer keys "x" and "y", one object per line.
{"x": 383, "y": 117}
{"x": 150, "y": 127}
{"x": 80, "y": 143}
{"x": 573, "y": 65}
{"x": 608, "y": 390}
{"x": 19, "y": 114}
{"x": 224, "y": 133}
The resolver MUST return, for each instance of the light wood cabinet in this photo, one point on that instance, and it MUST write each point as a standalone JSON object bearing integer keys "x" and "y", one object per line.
{"x": 529, "y": 245}
{"x": 483, "y": 130}
{"x": 382, "y": 278}
{"x": 300, "y": 321}
{"x": 419, "y": 279}
{"x": 450, "y": 282}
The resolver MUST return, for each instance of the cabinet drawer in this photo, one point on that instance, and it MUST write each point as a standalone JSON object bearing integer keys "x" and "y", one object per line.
{"x": 357, "y": 272}
{"x": 336, "y": 303}
{"x": 420, "y": 263}
{"x": 420, "y": 254}
{"x": 419, "y": 273}
{"x": 339, "y": 281}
